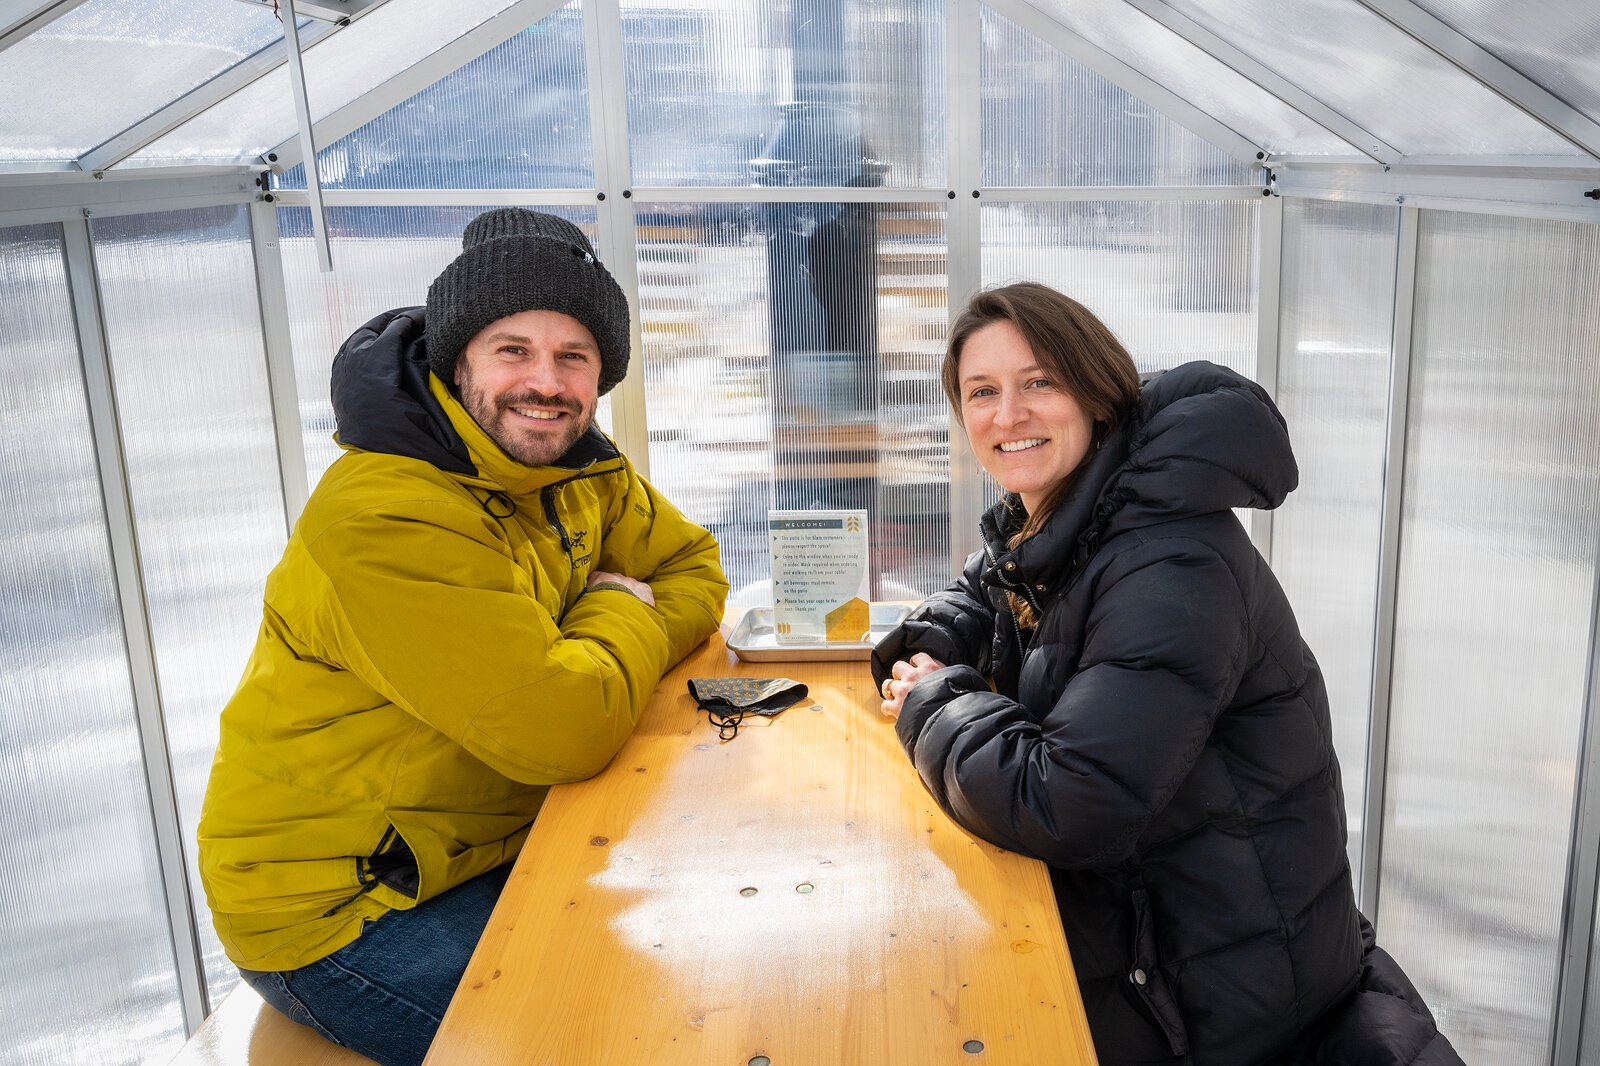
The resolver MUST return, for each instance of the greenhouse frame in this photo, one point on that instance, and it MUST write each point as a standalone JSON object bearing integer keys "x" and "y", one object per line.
{"x": 1386, "y": 212}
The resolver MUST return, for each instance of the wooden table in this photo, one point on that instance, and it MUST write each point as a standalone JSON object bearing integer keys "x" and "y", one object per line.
{"x": 789, "y": 897}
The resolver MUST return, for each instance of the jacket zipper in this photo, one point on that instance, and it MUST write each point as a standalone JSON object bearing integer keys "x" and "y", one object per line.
{"x": 364, "y": 876}
{"x": 547, "y": 496}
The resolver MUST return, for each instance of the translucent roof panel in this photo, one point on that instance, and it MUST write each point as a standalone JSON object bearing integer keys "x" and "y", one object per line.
{"x": 90, "y": 74}
{"x": 1377, "y": 76}
{"x": 339, "y": 69}
{"x": 516, "y": 117}
{"x": 790, "y": 92}
{"x": 1183, "y": 69}
{"x": 1050, "y": 121}
{"x": 1560, "y": 49}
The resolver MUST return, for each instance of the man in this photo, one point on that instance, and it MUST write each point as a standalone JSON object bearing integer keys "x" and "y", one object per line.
{"x": 475, "y": 605}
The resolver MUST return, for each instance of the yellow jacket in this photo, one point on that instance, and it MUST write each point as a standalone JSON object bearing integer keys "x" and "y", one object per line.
{"x": 429, "y": 663}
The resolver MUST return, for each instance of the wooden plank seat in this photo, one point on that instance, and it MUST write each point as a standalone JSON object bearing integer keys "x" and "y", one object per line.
{"x": 245, "y": 1030}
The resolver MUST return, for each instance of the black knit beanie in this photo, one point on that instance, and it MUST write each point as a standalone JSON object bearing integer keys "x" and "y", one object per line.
{"x": 516, "y": 260}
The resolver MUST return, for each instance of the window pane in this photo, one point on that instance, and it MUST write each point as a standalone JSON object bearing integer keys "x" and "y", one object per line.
{"x": 385, "y": 257}
{"x": 88, "y": 75}
{"x": 184, "y": 328}
{"x": 795, "y": 92}
{"x": 1497, "y": 570}
{"x": 1050, "y": 121}
{"x": 1174, "y": 280}
{"x": 1337, "y": 297}
{"x": 1180, "y": 67}
{"x": 338, "y": 69}
{"x": 792, "y": 360}
{"x": 1378, "y": 76}
{"x": 516, "y": 117}
{"x": 1556, "y": 49}
{"x": 85, "y": 946}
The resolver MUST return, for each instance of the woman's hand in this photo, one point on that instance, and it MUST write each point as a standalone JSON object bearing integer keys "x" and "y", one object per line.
{"x": 905, "y": 674}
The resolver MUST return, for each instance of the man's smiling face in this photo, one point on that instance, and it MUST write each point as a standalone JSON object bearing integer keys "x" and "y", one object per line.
{"x": 532, "y": 381}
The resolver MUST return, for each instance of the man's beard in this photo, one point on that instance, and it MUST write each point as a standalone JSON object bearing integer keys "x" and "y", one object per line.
{"x": 520, "y": 437}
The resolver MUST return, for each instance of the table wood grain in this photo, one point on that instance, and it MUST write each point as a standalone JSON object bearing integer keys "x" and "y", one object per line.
{"x": 791, "y": 894}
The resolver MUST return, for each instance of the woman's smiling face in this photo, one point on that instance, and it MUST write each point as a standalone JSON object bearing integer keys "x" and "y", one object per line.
{"x": 1027, "y": 432}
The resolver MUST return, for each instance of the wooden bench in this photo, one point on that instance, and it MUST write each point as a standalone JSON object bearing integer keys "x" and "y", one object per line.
{"x": 245, "y": 1030}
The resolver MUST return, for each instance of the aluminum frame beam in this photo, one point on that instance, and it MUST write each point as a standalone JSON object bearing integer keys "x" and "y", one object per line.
{"x": 1394, "y": 465}
{"x": 25, "y": 18}
{"x": 1269, "y": 276}
{"x": 413, "y": 79}
{"x": 439, "y": 197}
{"x": 1247, "y": 66}
{"x": 208, "y": 94}
{"x": 308, "y": 144}
{"x": 964, "y": 243}
{"x": 1574, "y": 972}
{"x": 1473, "y": 59}
{"x": 336, "y": 12}
{"x": 1201, "y": 123}
{"x": 617, "y": 239}
{"x": 1571, "y": 194}
{"x": 278, "y": 343}
{"x": 133, "y": 605}
{"x": 26, "y": 199}
{"x": 1024, "y": 194}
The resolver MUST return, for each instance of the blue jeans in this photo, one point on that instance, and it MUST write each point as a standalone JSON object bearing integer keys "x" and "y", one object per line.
{"x": 384, "y": 994}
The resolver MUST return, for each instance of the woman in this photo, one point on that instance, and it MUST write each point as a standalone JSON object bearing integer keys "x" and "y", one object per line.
{"x": 1116, "y": 686}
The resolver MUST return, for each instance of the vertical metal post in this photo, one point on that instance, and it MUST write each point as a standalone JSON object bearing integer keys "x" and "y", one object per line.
{"x": 617, "y": 241}
{"x": 964, "y": 234}
{"x": 272, "y": 294}
{"x": 1394, "y": 464}
{"x": 308, "y": 146}
{"x": 1583, "y": 864}
{"x": 123, "y": 534}
{"x": 1269, "y": 289}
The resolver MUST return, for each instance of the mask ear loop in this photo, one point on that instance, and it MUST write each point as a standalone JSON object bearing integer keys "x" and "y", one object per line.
{"x": 727, "y": 723}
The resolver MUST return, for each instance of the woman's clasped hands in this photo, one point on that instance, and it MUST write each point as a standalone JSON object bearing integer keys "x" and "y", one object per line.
{"x": 905, "y": 674}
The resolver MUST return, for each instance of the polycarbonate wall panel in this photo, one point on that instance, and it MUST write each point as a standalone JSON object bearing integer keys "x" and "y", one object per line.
{"x": 1048, "y": 120}
{"x": 794, "y": 92}
{"x": 1558, "y": 49}
{"x": 516, "y": 117}
{"x": 88, "y": 75}
{"x": 1336, "y": 322}
{"x": 184, "y": 329}
{"x": 338, "y": 69}
{"x": 1175, "y": 280}
{"x": 792, "y": 360}
{"x": 386, "y": 257}
{"x": 1191, "y": 74}
{"x": 86, "y": 965}
{"x": 1497, "y": 572}
{"x": 1378, "y": 76}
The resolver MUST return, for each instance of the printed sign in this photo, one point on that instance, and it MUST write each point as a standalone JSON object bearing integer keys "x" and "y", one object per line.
{"x": 819, "y": 576}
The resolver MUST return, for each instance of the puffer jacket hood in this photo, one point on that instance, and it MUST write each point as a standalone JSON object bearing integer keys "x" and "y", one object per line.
{"x": 384, "y": 401}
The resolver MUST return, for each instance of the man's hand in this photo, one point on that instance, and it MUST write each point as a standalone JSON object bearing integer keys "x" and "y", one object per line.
{"x": 905, "y": 674}
{"x": 638, "y": 588}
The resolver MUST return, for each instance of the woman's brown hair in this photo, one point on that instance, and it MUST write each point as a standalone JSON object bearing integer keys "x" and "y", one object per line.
{"x": 1076, "y": 350}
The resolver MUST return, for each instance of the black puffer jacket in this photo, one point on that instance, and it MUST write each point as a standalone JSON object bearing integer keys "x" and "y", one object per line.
{"x": 1161, "y": 739}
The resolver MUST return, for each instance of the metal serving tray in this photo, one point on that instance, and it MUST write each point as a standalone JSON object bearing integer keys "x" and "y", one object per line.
{"x": 754, "y": 638}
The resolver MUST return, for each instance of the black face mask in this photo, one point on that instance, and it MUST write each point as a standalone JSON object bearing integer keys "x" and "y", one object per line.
{"x": 726, "y": 700}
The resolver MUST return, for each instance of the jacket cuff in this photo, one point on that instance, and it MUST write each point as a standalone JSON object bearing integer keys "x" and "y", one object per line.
{"x": 929, "y": 696}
